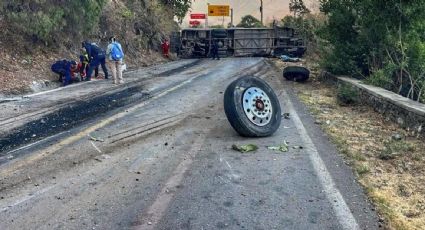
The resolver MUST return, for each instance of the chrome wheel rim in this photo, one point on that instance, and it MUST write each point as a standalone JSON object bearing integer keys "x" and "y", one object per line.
{"x": 257, "y": 106}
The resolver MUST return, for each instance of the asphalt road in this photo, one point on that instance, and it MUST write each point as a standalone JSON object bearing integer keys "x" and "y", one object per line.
{"x": 165, "y": 162}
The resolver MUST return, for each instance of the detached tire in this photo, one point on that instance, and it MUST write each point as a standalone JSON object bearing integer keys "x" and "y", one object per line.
{"x": 296, "y": 73}
{"x": 252, "y": 107}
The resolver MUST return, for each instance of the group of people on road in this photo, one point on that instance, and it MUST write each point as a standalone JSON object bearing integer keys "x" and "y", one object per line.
{"x": 91, "y": 57}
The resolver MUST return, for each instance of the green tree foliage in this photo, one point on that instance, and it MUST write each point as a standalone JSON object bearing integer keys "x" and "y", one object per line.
{"x": 249, "y": 21}
{"x": 298, "y": 8}
{"x": 377, "y": 39}
{"x": 307, "y": 27}
{"x": 180, "y": 7}
{"x": 45, "y": 19}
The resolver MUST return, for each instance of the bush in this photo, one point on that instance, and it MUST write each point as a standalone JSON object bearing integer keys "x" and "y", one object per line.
{"x": 395, "y": 148}
{"x": 381, "y": 79}
{"x": 347, "y": 95}
{"x": 47, "y": 20}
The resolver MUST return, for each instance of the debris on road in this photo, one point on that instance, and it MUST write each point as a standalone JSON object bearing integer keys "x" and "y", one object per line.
{"x": 297, "y": 147}
{"x": 286, "y": 58}
{"x": 102, "y": 157}
{"x": 282, "y": 148}
{"x": 245, "y": 148}
{"x": 95, "y": 138}
{"x": 286, "y": 116}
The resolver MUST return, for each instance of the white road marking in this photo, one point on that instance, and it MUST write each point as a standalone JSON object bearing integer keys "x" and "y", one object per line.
{"x": 343, "y": 213}
{"x": 97, "y": 149}
{"x": 37, "y": 142}
{"x": 157, "y": 210}
{"x": 58, "y": 89}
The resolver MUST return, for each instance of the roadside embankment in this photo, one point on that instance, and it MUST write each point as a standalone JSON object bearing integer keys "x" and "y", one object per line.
{"x": 407, "y": 113}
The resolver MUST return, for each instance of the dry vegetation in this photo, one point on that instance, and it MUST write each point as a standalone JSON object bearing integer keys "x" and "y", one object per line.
{"x": 388, "y": 161}
{"x": 24, "y": 62}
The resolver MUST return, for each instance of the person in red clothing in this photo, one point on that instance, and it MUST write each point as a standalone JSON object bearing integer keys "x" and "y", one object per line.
{"x": 166, "y": 48}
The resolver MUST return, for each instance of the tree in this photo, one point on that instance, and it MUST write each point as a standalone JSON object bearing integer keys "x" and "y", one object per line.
{"x": 180, "y": 7}
{"x": 381, "y": 41}
{"x": 249, "y": 21}
{"x": 298, "y": 8}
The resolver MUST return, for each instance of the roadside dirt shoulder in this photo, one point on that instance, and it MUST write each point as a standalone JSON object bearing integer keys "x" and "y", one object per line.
{"x": 388, "y": 161}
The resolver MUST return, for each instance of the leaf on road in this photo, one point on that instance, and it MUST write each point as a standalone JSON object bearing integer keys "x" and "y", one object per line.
{"x": 245, "y": 148}
{"x": 281, "y": 148}
{"x": 96, "y": 139}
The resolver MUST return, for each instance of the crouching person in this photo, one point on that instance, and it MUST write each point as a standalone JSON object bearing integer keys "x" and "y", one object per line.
{"x": 115, "y": 56}
{"x": 65, "y": 69}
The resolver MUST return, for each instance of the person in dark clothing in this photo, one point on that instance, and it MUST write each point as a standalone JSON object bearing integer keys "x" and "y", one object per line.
{"x": 66, "y": 70}
{"x": 97, "y": 57}
{"x": 214, "y": 50}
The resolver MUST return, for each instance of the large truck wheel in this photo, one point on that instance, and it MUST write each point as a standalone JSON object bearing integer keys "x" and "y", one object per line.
{"x": 252, "y": 107}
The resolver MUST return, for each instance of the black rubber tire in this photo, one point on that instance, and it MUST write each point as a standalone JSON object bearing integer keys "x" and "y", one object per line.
{"x": 296, "y": 73}
{"x": 234, "y": 109}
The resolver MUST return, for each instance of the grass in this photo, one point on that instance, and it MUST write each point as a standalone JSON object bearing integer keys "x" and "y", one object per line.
{"x": 391, "y": 171}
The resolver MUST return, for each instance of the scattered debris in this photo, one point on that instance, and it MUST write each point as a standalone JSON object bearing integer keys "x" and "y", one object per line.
{"x": 281, "y": 148}
{"x": 95, "y": 138}
{"x": 245, "y": 148}
{"x": 286, "y": 58}
{"x": 102, "y": 157}
{"x": 396, "y": 137}
{"x": 286, "y": 116}
{"x": 297, "y": 147}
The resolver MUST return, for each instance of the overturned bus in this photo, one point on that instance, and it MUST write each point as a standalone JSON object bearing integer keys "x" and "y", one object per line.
{"x": 239, "y": 42}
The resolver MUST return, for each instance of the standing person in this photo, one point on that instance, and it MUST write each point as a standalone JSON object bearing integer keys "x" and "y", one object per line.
{"x": 97, "y": 57}
{"x": 166, "y": 48}
{"x": 214, "y": 50}
{"x": 115, "y": 56}
{"x": 66, "y": 70}
{"x": 84, "y": 63}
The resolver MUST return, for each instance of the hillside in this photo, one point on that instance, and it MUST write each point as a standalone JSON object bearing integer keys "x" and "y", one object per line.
{"x": 36, "y": 33}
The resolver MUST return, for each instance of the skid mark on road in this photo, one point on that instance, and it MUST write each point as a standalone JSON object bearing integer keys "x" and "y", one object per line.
{"x": 233, "y": 175}
{"x": 156, "y": 211}
{"x": 95, "y": 147}
{"x": 87, "y": 131}
{"x": 343, "y": 213}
